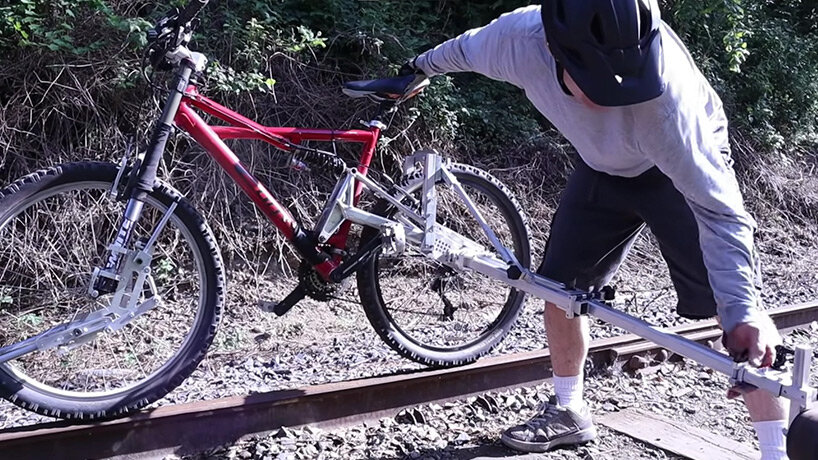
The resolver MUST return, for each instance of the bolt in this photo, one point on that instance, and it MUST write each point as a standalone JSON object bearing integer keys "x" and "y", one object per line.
{"x": 662, "y": 356}
{"x": 638, "y": 362}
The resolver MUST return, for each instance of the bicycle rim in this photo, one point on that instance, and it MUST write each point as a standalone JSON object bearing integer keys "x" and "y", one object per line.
{"x": 442, "y": 310}
{"x": 53, "y": 239}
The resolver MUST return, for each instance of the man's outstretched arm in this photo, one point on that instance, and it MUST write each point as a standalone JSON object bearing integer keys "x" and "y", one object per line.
{"x": 498, "y": 50}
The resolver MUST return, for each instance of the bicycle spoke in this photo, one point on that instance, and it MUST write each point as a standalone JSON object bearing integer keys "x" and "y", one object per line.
{"x": 44, "y": 279}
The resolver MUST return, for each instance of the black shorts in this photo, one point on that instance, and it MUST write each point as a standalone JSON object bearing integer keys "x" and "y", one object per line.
{"x": 598, "y": 220}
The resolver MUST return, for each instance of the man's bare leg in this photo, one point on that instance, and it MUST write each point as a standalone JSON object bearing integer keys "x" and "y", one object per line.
{"x": 569, "y": 422}
{"x": 764, "y": 407}
{"x": 769, "y": 416}
{"x": 568, "y": 341}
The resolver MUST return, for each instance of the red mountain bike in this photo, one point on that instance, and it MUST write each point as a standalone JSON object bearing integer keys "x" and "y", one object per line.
{"x": 112, "y": 283}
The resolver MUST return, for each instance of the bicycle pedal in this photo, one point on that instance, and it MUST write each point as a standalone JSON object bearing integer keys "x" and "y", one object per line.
{"x": 279, "y": 308}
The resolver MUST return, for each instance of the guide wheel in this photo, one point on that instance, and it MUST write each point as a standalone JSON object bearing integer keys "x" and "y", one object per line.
{"x": 802, "y": 437}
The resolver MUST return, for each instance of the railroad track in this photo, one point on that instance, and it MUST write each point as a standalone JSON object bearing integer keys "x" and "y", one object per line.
{"x": 193, "y": 427}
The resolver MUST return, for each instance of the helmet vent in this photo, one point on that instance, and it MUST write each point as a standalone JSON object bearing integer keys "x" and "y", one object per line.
{"x": 596, "y": 29}
{"x": 644, "y": 19}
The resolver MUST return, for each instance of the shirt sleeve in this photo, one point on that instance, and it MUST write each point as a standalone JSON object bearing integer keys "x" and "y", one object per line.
{"x": 484, "y": 50}
{"x": 690, "y": 154}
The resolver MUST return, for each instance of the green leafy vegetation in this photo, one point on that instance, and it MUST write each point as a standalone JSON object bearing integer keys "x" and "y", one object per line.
{"x": 764, "y": 57}
{"x": 761, "y": 55}
{"x": 70, "y": 83}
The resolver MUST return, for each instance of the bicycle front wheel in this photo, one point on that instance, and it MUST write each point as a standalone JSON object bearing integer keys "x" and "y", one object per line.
{"x": 55, "y": 226}
{"x": 431, "y": 313}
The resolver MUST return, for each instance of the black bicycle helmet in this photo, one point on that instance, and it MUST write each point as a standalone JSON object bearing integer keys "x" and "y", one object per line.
{"x": 612, "y": 49}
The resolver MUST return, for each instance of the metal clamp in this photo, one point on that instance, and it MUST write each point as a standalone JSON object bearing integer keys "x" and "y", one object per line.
{"x": 394, "y": 238}
{"x": 374, "y": 124}
{"x": 577, "y": 305}
{"x": 333, "y": 214}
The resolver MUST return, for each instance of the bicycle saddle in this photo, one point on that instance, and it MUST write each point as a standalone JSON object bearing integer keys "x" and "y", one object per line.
{"x": 395, "y": 89}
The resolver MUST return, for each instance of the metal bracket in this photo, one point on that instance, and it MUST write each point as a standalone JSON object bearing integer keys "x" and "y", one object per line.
{"x": 394, "y": 238}
{"x": 333, "y": 215}
{"x": 374, "y": 124}
{"x": 431, "y": 172}
{"x": 577, "y": 305}
{"x": 121, "y": 311}
{"x": 417, "y": 160}
{"x": 124, "y": 305}
{"x": 123, "y": 308}
{"x": 800, "y": 379}
{"x": 120, "y": 171}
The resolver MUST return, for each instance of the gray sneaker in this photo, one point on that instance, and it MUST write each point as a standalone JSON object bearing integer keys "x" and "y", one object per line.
{"x": 553, "y": 426}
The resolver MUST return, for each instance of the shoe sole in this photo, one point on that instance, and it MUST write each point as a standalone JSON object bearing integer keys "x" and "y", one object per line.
{"x": 580, "y": 437}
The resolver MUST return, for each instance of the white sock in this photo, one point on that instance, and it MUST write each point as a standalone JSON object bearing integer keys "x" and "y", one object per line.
{"x": 771, "y": 439}
{"x": 569, "y": 391}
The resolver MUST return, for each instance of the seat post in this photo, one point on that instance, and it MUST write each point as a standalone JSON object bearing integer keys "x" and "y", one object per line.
{"x": 384, "y": 107}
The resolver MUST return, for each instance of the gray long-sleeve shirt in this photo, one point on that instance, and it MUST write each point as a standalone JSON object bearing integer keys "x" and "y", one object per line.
{"x": 683, "y": 132}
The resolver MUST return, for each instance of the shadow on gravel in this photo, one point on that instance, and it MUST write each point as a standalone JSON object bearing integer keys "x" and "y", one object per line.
{"x": 484, "y": 452}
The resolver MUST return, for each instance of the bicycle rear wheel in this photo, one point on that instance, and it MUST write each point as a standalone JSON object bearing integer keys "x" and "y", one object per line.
{"x": 55, "y": 225}
{"x": 431, "y": 313}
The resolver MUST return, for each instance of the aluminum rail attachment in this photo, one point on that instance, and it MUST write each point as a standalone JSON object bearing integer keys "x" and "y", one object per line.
{"x": 194, "y": 427}
{"x": 575, "y": 302}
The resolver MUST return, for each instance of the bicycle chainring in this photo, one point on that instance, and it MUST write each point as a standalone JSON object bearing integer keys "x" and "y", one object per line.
{"x": 316, "y": 287}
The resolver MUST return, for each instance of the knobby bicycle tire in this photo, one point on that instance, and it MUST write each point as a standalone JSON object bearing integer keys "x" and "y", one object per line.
{"x": 403, "y": 296}
{"x": 50, "y": 222}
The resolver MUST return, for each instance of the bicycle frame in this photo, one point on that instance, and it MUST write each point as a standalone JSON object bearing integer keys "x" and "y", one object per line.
{"x": 573, "y": 302}
{"x": 212, "y": 138}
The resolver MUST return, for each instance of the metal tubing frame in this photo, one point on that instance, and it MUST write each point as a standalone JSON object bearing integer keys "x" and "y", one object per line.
{"x": 504, "y": 252}
{"x": 431, "y": 169}
{"x": 792, "y": 386}
{"x": 575, "y": 302}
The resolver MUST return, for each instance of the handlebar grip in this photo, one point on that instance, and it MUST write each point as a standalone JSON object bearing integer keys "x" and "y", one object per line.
{"x": 190, "y": 11}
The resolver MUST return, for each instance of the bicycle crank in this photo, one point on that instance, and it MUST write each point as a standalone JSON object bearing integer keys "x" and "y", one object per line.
{"x": 310, "y": 284}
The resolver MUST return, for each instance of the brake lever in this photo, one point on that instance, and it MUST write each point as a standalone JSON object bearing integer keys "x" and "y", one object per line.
{"x": 166, "y": 38}
{"x": 164, "y": 25}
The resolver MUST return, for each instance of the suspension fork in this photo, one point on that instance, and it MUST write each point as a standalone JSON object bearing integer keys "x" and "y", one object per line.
{"x": 106, "y": 279}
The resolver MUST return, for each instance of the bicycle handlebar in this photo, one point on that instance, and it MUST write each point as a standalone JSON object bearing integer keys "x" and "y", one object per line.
{"x": 171, "y": 32}
{"x": 190, "y": 11}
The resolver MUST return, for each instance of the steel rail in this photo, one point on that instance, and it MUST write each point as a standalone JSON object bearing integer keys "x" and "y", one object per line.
{"x": 194, "y": 427}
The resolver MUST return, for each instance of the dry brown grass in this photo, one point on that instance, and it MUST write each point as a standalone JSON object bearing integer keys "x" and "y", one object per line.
{"x": 54, "y": 113}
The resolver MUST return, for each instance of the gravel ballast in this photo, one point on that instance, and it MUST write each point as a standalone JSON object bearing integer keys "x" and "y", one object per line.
{"x": 329, "y": 342}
